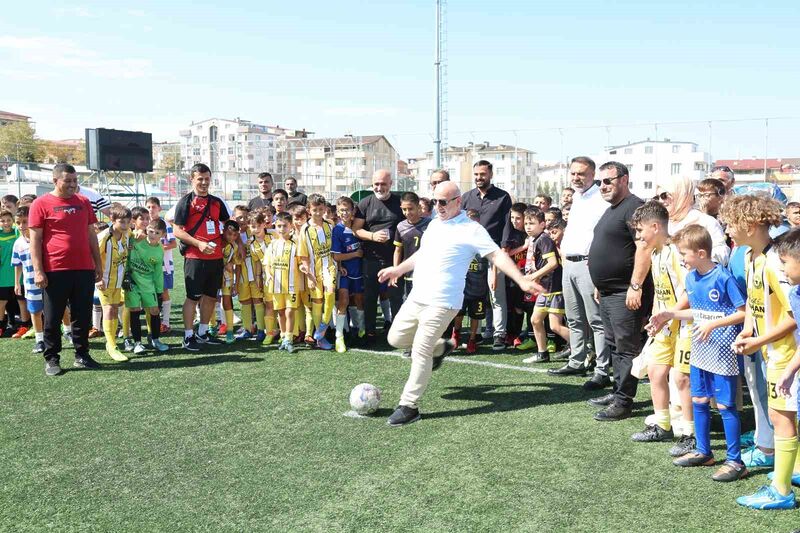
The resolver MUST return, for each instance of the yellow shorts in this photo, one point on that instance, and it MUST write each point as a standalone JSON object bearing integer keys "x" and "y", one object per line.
{"x": 249, "y": 290}
{"x": 775, "y": 401}
{"x": 268, "y": 298}
{"x": 304, "y": 299}
{"x": 111, "y": 297}
{"x": 671, "y": 350}
{"x": 282, "y": 301}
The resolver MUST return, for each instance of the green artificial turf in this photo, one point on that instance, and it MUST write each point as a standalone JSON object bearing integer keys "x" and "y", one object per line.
{"x": 251, "y": 439}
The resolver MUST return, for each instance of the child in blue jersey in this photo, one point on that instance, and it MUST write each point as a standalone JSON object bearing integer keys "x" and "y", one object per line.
{"x": 22, "y": 264}
{"x": 347, "y": 252}
{"x": 717, "y": 311}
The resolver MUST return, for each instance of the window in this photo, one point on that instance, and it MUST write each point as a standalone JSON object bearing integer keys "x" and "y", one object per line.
{"x": 675, "y": 168}
{"x": 648, "y": 149}
{"x": 232, "y": 138}
{"x": 648, "y": 167}
{"x": 676, "y": 148}
{"x": 700, "y": 165}
{"x": 195, "y": 139}
{"x": 648, "y": 184}
{"x": 629, "y": 166}
{"x": 612, "y": 152}
{"x": 205, "y": 139}
{"x": 628, "y": 150}
{"x": 500, "y": 171}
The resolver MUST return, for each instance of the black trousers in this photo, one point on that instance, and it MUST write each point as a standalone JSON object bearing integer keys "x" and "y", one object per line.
{"x": 77, "y": 288}
{"x": 623, "y": 334}
{"x": 371, "y": 267}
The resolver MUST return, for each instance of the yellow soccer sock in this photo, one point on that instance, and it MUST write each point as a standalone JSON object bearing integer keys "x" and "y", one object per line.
{"x": 309, "y": 321}
{"x": 259, "y": 316}
{"x": 299, "y": 316}
{"x": 247, "y": 317}
{"x": 327, "y": 310}
{"x": 110, "y": 331}
{"x": 688, "y": 427}
{"x": 269, "y": 321}
{"x": 126, "y": 322}
{"x": 212, "y": 321}
{"x": 147, "y": 319}
{"x": 797, "y": 460}
{"x": 785, "y": 453}
{"x": 316, "y": 314}
{"x": 663, "y": 419}
{"x": 229, "y": 319}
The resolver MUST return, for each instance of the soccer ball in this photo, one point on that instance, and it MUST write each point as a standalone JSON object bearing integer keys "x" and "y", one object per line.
{"x": 365, "y": 398}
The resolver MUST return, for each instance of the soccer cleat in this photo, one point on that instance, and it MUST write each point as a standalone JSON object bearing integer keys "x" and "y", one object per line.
{"x": 86, "y": 362}
{"x": 448, "y": 349}
{"x": 795, "y": 478}
{"x": 767, "y": 497}
{"x": 406, "y": 354}
{"x": 128, "y": 344}
{"x": 165, "y": 328}
{"x": 158, "y": 345}
{"x": 94, "y": 333}
{"x": 472, "y": 346}
{"x": 115, "y": 354}
{"x": 340, "y": 345}
{"x": 362, "y": 333}
{"x": 269, "y": 338}
{"x": 191, "y": 344}
{"x": 209, "y": 339}
{"x": 527, "y": 344}
{"x": 538, "y": 357}
{"x": 694, "y": 458}
{"x": 323, "y": 344}
{"x": 244, "y": 335}
{"x": 685, "y": 444}
{"x": 228, "y": 337}
{"x": 456, "y": 337}
{"x": 282, "y": 345}
{"x": 403, "y": 415}
{"x": 22, "y": 330}
{"x": 747, "y": 440}
{"x": 289, "y": 347}
{"x": 654, "y": 433}
{"x": 730, "y": 471}
{"x": 320, "y": 332}
{"x": 499, "y": 344}
{"x": 139, "y": 348}
{"x": 309, "y": 341}
{"x": 517, "y": 342}
{"x": 38, "y": 347}
{"x": 30, "y": 334}
{"x": 52, "y": 368}
{"x": 212, "y": 330}
{"x": 260, "y": 336}
{"x": 755, "y": 458}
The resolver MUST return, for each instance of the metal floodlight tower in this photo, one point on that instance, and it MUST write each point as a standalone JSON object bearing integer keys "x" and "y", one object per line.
{"x": 440, "y": 65}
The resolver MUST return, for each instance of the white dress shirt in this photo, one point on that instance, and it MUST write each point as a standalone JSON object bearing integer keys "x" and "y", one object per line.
{"x": 587, "y": 208}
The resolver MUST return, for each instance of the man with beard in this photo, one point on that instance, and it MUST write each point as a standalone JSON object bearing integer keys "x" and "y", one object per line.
{"x": 264, "y": 197}
{"x": 375, "y": 222}
{"x": 295, "y": 196}
{"x": 582, "y": 311}
{"x": 494, "y": 208}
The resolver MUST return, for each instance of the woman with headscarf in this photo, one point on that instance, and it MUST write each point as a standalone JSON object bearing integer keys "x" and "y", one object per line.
{"x": 677, "y": 195}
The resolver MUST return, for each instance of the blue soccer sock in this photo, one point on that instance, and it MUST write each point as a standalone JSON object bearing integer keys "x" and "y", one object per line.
{"x": 733, "y": 430}
{"x": 702, "y": 427}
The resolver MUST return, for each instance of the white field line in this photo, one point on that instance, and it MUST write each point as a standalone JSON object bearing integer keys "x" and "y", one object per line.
{"x": 465, "y": 361}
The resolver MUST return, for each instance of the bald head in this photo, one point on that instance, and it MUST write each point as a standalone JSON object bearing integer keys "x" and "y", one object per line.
{"x": 382, "y": 183}
{"x": 447, "y": 189}
{"x": 447, "y": 200}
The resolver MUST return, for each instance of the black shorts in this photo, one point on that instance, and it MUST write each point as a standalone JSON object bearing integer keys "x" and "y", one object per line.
{"x": 7, "y": 294}
{"x": 474, "y": 308}
{"x": 202, "y": 277}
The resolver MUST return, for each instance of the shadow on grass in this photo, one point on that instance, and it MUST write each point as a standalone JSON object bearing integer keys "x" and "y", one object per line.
{"x": 498, "y": 401}
{"x": 137, "y": 365}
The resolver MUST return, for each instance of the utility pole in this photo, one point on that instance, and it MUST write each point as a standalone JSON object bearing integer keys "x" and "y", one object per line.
{"x": 437, "y": 142}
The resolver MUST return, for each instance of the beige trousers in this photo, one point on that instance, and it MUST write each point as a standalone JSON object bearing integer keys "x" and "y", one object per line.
{"x": 419, "y": 327}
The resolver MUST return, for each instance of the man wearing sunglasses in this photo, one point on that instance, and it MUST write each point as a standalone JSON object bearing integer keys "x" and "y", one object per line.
{"x": 440, "y": 266}
{"x": 725, "y": 175}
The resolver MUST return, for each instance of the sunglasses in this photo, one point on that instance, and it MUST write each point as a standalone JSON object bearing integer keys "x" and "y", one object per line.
{"x": 722, "y": 168}
{"x": 442, "y": 202}
{"x": 607, "y": 181}
{"x": 663, "y": 196}
{"x": 707, "y": 194}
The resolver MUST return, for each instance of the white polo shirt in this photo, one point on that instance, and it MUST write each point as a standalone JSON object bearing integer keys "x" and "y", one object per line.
{"x": 587, "y": 208}
{"x": 446, "y": 250}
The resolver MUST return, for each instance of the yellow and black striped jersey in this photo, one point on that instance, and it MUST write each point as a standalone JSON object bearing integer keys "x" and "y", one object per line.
{"x": 282, "y": 268}
{"x": 315, "y": 243}
{"x": 669, "y": 276}
{"x": 113, "y": 257}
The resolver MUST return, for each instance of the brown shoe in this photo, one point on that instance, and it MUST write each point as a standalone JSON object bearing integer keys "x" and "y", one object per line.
{"x": 730, "y": 471}
{"x": 694, "y": 458}
{"x": 94, "y": 333}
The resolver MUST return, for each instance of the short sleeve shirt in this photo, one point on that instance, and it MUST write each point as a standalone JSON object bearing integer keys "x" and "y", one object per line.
{"x": 190, "y": 210}
{"x": 409, "y": 236}
{"x": 64, "y": 223}
{"x": 98, "y": 202}
{"x": 344, "y": 241}
{"x": 540, "y": 249}
{"x": 258, "y": 202}
{"x": 379, "y": 215}
{"x": 611, "y": 255}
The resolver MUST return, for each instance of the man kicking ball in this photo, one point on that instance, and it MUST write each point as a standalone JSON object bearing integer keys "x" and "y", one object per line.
{"x": 440, "y": 268}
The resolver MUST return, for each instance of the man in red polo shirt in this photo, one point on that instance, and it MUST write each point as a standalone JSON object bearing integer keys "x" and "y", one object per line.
{"x": 198, "y": 224}
{"x": 66, "y": 265}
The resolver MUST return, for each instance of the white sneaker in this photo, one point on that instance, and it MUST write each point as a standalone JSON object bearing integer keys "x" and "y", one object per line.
{"x": 139, "y": 348}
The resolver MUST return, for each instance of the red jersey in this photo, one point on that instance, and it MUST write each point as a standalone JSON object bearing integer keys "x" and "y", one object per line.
{"x": 65, "y": 225}
{"x": 190, "y": 211}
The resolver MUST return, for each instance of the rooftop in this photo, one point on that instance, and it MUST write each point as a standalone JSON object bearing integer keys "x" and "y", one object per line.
{"x": 5, "y": 115}
{"x": 745, "y": 165}
{"x": 650, "y": 141}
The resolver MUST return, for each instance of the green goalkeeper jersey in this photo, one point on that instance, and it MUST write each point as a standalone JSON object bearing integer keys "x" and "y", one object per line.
{"x": 145, "y": 262}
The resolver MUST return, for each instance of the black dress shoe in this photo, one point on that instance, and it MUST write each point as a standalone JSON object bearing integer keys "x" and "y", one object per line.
{"x": 601, "y": 401}
{"x": 598, "y": 382}
{"x": 567, "y": 370}
{"x": 612, "y": 413}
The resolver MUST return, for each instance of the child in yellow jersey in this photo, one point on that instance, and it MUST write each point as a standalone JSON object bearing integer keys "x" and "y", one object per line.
{"x": 303, "y": 324}
{"x": 671, "y": 345}
{"x": 283, "y": 277}
{"x": 231, "y": 235}
{"x": 114, "y": 245}
{"x": 768, "y": 326}
{"x": 256, "y": 249}
{"x": 315, "y": 247}
{"x": 259, "y": 251}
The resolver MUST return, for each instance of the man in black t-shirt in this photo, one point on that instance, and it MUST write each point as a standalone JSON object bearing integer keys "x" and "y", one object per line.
{"x": 375, "y": 222}
{"x": 264, "y": 197}
{"x": 408, "y": 236}
{"x": 295, "y": 196}
{"x": 619, "y": 267}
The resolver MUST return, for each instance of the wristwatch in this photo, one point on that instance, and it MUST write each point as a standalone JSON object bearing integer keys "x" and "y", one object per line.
{"x": 636, "y": 286}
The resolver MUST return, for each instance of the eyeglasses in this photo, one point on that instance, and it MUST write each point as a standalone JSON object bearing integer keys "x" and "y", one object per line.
{"x": 706, "y": 195}
{"x": 664, "y": 195}
{"x": 607, "y": 181}
{"x": 442, "y": 202}
{"x": 722, "y": 168}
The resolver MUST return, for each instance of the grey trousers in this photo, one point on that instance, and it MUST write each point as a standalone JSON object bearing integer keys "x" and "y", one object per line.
{"x": 583, "y": 317}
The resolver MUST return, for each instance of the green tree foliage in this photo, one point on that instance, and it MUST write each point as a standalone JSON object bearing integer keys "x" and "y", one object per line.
{"x": 18, "y": 142}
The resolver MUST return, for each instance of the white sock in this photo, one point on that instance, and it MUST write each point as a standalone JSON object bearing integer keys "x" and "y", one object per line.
{"x": 166, "y": 310}
{"x": 360, "y": 319}
{"x": 386, "y": 307}
{"x": 188, "y": 333}
{"x": 220, "y": 312}
{"x": 340, "y": 319}
{"x": 202, "y": 329}
{"x": 97, "y": 318}
{"x": 39, "y": 336}
{"x": 353, "y": 322}
{"x": 68, "y": 328}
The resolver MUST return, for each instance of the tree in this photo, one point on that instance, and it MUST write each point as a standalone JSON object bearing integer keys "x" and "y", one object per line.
{"x": 18, "y": 142}
{"x": 171, "y": 161}
{"x": 66, "y": 153}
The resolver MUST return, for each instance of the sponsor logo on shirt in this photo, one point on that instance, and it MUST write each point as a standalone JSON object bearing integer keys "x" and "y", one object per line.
{"x": 67, "y": 210}
{"x": 713, "y": 295}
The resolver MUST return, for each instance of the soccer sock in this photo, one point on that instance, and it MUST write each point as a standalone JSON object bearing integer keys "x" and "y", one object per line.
{"x": 147, "y": 321}
{"x": 259, "y": 307}
{"x": 39, "y": 336}
{"x": 247, "y": 317}
{"x": 733, "y": 430}
{"x": 688, "y": 427}
{"x": 229, "y": 319}
{"x": 316, "y": 314}
{"x": 785, "y": 453}
{"x": 309, "y": 321}
{"x": 269, "y": 321}
{"x": 126, "y": 322}
{"x": 155, "y": 326}
{"x": 202, "y": 329}
{"x": 97, "y": 318}
{"x": 212, "y": 320}
{"x": 188, "y": 333}
{"x": 662, "y": 419}
{"x": 327, "y": 309}
{"x": 166, "y": 309}
{"x": 218, "y": 311}
{"x": 110, "y": 332}
{"x": 299, "y": 316}
{"x": 386, "y": 308}
{"x": 702, "y": 426}
{"x": 340, "y": 325}
{"x": 136, "y": 326}
{"x": 360, "y": 319}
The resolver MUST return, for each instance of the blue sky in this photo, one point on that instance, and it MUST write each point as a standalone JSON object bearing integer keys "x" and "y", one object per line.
{"x": 518, "y": 70}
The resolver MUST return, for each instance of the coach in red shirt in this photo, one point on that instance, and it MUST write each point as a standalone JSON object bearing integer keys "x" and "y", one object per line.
{"x": 198, "y": 224}
{"x": 66, "y": 265}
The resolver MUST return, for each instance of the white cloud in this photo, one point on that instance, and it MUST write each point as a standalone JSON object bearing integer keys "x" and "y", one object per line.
{"x": 363, "y": 111}
{"x": 53, "y": 54}
{"x": 74, "y": 11}
{"x": 136, "y": 13}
